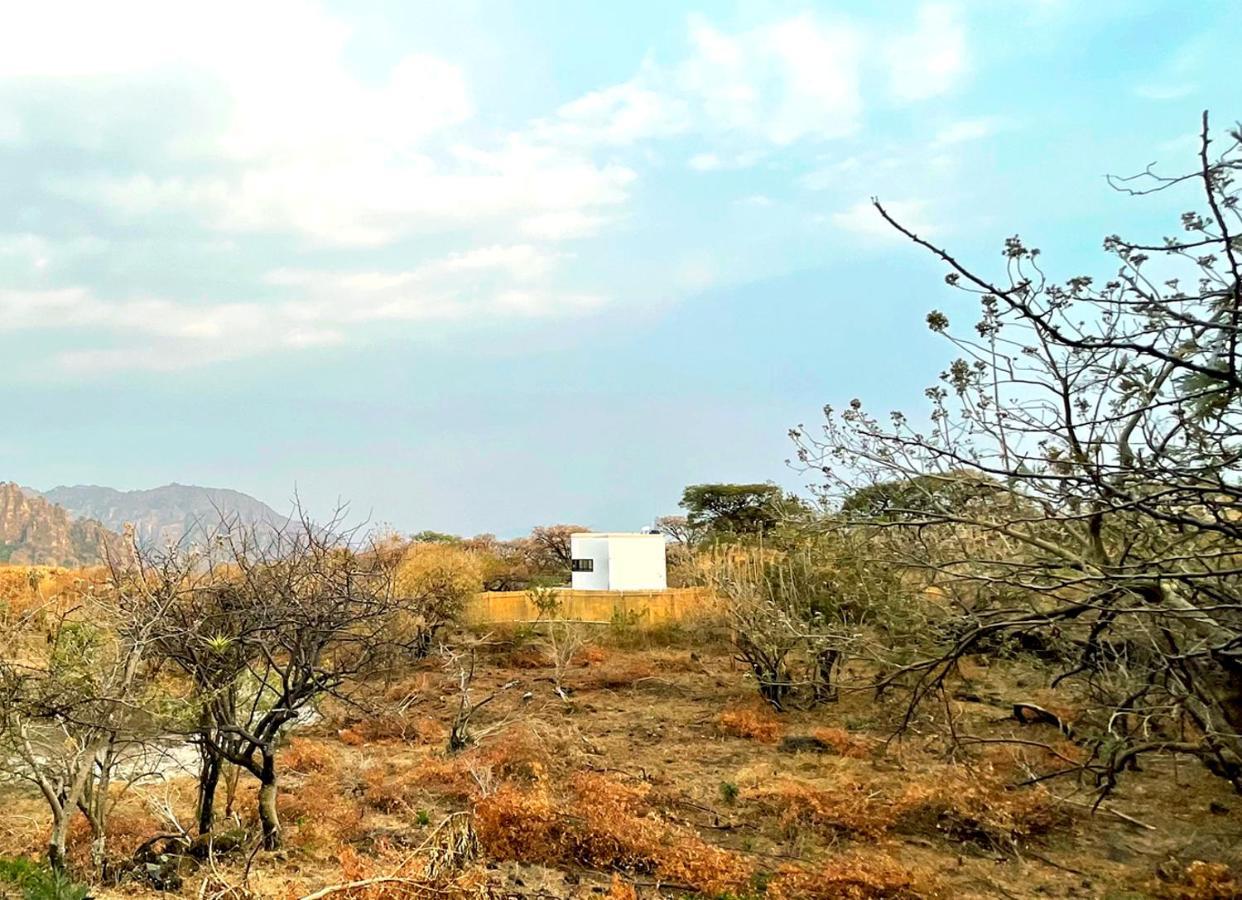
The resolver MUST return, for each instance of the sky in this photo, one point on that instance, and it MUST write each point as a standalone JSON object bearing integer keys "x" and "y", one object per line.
{"x": 479, "y": 266}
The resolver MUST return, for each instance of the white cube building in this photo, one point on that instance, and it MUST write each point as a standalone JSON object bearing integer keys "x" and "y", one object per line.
{"x": 618, "y": 562}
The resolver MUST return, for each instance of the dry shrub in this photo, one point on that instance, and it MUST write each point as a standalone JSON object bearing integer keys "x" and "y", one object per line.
{"x": 520, "y": 824}
{"x": 398, "y": 726}
{"x": 324, "y": 814}
{"x": 853, "y": 877}
{"x": 590, "y": 655}
{"x": 307, "y": 755}
{"x": 1200, "y": 881}
{"x": 961, "y": 808}
{"x": 979, "y": 810}
{"x": 753, "y": 723}
{"x": 844, "y": 743}
{"x": 851, "y": 807}
{"x": 712, "y": 870}
{"x": 621, "y": 890}
{"x": 617, "y": 674}
{"x": 606, "y": 824}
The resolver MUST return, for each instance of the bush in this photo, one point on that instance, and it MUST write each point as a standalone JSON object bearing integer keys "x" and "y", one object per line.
{"x": 606, "y": 824}
{"x": 37, "y": 882}
{"x": 754, "y": 724}
{"x": 435, "y": 581}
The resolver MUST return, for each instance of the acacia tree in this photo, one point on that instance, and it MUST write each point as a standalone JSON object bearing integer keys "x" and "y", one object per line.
{"x": 1104, "y": 419}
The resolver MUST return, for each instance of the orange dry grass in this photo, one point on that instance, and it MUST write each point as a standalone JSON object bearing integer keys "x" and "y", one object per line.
{"x": 961, "y": 808}
{"x": 850, "y": 807}
{"x": 754, "y": 723}
{"x": 845, "y": 743}
{"x": 323, "y": 814}
{"x": 605, "y": 824}
{"x": 307, "y": 755}
{"x": 590, "y": 655}
{"x": 853, "y": 877}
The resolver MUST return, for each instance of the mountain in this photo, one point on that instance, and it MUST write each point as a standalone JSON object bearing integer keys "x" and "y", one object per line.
{"x": 34, "y": 531}
{"x": 165, "y": 514}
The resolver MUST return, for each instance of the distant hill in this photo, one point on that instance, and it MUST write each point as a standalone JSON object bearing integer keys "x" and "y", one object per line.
{"x": 34, "y": 531}
{"x": 165, "y": 514}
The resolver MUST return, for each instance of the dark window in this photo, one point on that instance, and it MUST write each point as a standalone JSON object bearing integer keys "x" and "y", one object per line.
{"x": 583, "y": 565}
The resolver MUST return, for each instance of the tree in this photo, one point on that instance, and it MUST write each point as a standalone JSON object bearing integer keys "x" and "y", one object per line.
{"x": 678, "y": 530}
{"x": 732, "y": 509}
{"x": 269, "y": 625}
{"x": 1106, "y": 415}
{"x": 550, "y": 547}
{"x": 914, "y": 498}
{"x": 432, "y": 583}
{"x": 75, "y": 704}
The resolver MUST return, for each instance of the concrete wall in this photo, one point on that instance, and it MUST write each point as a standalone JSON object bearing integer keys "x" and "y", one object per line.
{"x": 647, "y": 607}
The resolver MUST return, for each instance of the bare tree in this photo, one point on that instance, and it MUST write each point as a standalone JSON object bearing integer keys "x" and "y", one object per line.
{"x": 275, "y": 622}
{"x": 550, "y": 546}
{"x": 1099, "y": 427}
{"x": 75, "y": 707}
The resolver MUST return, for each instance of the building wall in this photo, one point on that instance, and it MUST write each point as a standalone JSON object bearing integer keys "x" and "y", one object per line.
{"x": 620, "y": 562}
{"x": 637, "y": 563}
{"x": 586, "y": 546}
{"x": 599, "y": 607}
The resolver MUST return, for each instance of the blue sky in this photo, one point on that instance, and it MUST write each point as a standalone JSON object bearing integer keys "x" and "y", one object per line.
{"x": 480, "y": 266}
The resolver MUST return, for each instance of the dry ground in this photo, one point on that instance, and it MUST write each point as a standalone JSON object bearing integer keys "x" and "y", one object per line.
{"x": 662, "y": 776}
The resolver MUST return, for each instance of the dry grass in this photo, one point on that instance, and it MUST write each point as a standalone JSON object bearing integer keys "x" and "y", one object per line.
{"x": 845, "y": 743}
{"x": 947, "y": 804}
{"x": 629, "y": 784}
{"x": 604, "y": 824}
{"x": 1199, "y": 881}
{"x": 853, "y": 877}
{"x": 756, "y": 723}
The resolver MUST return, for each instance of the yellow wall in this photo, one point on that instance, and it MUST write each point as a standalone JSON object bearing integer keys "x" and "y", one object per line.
{"x": 590, "y": 606}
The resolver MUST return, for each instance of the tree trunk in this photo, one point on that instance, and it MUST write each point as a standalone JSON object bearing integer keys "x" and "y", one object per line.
{"x": 268, "y": 816}
{"x": 56, "y": 841}
{"x": 208, "y": 778}
{"x": 825, "y": 682}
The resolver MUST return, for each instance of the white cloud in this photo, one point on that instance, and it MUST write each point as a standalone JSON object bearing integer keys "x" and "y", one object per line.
{"x": 781, "y": 82}
{"x": 864, "y": 220}
{"x": 930, "y": 60}
{"x": 285, "y": 136}
{"x": 966, "y": 130}
{"x": 324, "y": 308}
